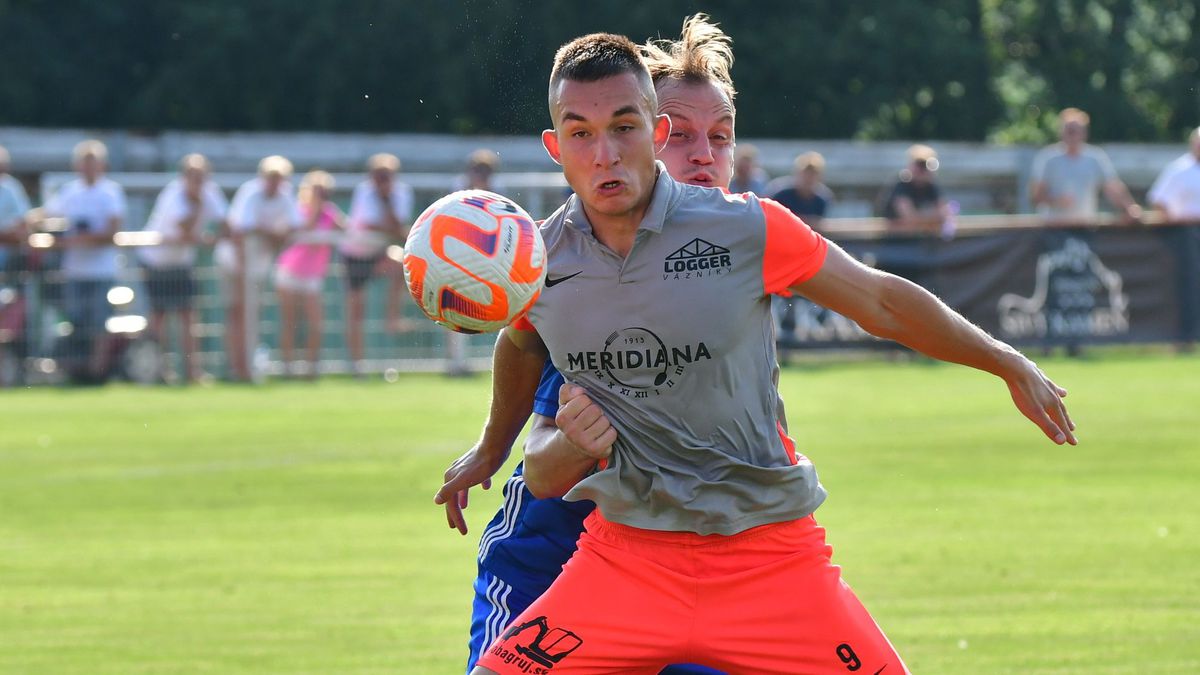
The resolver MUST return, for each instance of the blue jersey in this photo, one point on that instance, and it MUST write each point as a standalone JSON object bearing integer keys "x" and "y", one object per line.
{"x": 529, "y": 540}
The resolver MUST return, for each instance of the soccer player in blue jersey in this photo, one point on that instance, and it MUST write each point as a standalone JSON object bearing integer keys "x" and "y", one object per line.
{"x": 522, "y": 550}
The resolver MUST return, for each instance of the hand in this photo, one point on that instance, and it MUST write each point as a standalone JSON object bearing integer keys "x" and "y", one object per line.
{"x": 1041, "y": 401}
{"x": 475, "y": 467}
{"x": 1064, "y": 202}
{"x": 583, "y": 423}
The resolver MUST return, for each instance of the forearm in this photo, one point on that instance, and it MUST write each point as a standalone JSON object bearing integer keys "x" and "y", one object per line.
{"x": 917, "y": 319}
{"x": 553, "y": 464}
{"x": 515, "y": 377}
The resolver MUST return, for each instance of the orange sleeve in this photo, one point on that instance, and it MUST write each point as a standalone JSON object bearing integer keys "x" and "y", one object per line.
{"x": 523, "y": 324}
{"x": 793, "y": 252}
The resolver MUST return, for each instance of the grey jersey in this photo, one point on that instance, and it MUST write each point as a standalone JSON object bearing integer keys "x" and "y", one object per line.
{"x": 675, "y": 343}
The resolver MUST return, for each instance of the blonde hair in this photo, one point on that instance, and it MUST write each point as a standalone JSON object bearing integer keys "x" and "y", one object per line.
{"x": 90, "y": 148}
{"x": 810, "y": 160}
{"x": 383, "y": 160}
{"x": 703, "y": 53}
{"x": 1069, "y": 115}
{"x": 194, "y": 162}
{"x": 483, "y": 158}
{"x": 275, "y": 164}
{"x": 311, "y": 180}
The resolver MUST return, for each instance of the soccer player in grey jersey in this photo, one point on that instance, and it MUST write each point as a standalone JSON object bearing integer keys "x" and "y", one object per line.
{"x": 703, "y": 547}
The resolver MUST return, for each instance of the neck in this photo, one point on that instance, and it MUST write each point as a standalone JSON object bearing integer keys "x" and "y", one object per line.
{"x": 618, "y": 231}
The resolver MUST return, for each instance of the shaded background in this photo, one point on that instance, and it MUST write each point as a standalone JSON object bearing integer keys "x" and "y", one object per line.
{"x": 984, "y": 70}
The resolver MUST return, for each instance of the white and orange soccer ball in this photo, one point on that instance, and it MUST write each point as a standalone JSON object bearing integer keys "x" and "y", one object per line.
{"x": 474, "y": 261}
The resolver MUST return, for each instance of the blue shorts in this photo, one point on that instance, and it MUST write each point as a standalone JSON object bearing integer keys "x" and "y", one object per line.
{"x": 496, "y": 604}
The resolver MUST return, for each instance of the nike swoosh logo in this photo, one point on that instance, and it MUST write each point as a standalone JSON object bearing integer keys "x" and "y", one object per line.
{"x": 881, "y": 669}
{"x": 552, "y": 282}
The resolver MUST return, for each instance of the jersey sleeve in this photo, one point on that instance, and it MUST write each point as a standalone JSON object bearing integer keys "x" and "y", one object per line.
{"x": 793, "y": 252}
{"x": 545, "y": 401}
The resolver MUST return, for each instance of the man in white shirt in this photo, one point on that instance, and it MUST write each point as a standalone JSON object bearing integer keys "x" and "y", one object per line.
{"x": 261, "y": 216}
{"x": 94, "y": 208}
{"x": 14, "y": 204}
{"x": 1068, "y": 175}
{"x": 380, "y": 213}
{"x": 180, "y": 213}
{"x": 1176, "y": 192}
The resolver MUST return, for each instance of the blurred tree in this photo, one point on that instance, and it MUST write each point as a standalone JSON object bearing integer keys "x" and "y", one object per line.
{"x": 944, "y": 69}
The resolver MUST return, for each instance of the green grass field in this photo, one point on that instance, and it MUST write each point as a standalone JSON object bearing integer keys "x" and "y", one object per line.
{"x": 291, "y": 529}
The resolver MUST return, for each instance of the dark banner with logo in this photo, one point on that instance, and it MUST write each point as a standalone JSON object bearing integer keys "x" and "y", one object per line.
{"x": 1069, "y": 286}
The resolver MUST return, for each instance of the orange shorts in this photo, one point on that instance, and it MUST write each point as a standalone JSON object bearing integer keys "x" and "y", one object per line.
{"x": 766, "y": 600}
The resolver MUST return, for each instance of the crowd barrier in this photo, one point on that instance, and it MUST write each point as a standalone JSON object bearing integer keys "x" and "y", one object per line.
{"x": 1025, "y": 279}
{"x": 1030, "y": 281}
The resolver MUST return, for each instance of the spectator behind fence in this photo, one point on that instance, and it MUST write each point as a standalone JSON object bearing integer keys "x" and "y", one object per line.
{"x": 809, "y": 198}
{"x": 300, "y": 272}
{"x": 94, "y": 209}
{"x": 806, "y": 196}
{"x": 480, "y": 174}
{"x": 182, "y": 210}
{"x": 1068, "y": 174}
{"x": 1176, "y": 191}
{"x": 14, "y": 204}
{"x": 748, "y": 176}
{"x": 915, "y": 203}
{"x": 261, "y": 216}
{"x": 380, "y": 212}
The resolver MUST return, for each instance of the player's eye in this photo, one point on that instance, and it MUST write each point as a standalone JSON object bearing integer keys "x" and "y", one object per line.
{"x": 579, "y": 134}
{"x": 678, "y": 134}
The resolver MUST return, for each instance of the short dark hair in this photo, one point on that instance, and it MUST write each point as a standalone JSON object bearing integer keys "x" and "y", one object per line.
{"x": 597, "y": 56}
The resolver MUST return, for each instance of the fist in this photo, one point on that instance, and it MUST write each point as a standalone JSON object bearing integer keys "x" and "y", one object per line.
{"x": 583, "y": 423}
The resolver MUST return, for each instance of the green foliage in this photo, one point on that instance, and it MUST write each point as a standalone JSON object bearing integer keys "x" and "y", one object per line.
{"x": 947, "y": 69}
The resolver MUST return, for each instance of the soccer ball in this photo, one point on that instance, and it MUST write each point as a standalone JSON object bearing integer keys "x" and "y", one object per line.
{"x": 474, "y": 261}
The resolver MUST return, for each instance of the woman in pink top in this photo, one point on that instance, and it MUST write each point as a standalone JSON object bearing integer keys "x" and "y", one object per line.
{"x": 300, "y": 270}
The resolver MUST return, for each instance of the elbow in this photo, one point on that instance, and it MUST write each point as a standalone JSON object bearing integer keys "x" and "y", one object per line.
{"x": 539, "y": 486}
{"x": 885, "y": 320}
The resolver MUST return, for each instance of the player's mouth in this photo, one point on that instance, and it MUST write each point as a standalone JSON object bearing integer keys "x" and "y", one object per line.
{"x": 701, "y": 178}
{"x": 609, "y": 187}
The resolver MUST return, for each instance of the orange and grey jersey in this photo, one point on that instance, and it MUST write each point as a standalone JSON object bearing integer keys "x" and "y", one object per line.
{"x": 675, "y": 343}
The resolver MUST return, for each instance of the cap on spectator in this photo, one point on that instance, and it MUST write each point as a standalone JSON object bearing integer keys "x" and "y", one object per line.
{"x": 277, "y": 165}
{"x": 383, "y": 160}
{"x": 90, "y": 148}
{"x": 810, "y": 160}
{"x": 194, "y": 162}
{"x": 483, "y": 159}
{"x": 1069, "y": 115}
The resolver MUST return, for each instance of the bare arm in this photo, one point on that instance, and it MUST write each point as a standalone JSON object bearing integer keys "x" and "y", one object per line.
{"x": 561, "y": 451}
{"x": 1118, "y": 195}
{"x": 1038, "y": 193}
{"x": 894, "y": 308}
{"x": 515, "y": 377}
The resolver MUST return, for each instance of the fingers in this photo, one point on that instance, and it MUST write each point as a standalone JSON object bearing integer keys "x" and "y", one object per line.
{"x": 455, "y": 518}
{"x": 567, "y": 392}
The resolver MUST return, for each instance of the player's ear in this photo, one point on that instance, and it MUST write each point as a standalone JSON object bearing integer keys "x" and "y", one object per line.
{"x": 550, "y": 142}
{"x": 662, "y": 132}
